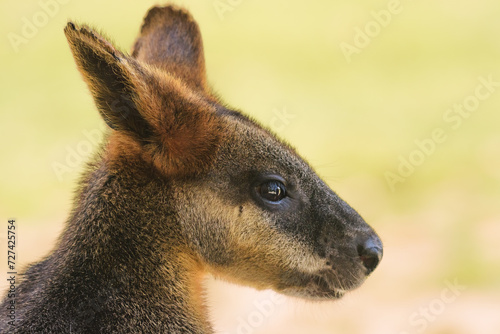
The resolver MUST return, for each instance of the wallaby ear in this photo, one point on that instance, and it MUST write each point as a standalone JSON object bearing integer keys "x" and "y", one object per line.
{"x": 178, "y": 128}
{"x": 111, "y": 79}
{"x": 171, "y": 39}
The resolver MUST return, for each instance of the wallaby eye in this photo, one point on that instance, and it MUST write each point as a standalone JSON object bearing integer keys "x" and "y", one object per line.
{"x": 273, "y": 191}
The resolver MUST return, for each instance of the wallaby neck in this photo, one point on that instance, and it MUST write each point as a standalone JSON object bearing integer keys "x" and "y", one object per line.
{"x": 125, "y": 253}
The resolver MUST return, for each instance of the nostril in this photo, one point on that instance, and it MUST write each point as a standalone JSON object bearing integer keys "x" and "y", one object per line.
{"x": 370, "y": 258}
{"x": 370, "y": 254}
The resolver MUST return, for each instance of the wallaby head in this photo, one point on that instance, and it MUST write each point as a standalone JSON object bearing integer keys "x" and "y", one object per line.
{"x": 186, "y": 185}
{"x": 249, "y": 208}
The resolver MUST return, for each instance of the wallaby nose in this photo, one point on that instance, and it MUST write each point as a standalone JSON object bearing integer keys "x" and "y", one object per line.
{"x": 370, "y": 252}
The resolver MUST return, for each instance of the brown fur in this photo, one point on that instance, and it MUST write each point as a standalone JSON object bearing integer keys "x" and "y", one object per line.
{"x": 153, "y": 47}
{"x": 181, "y": 139}
{"x": 183, "y": 187}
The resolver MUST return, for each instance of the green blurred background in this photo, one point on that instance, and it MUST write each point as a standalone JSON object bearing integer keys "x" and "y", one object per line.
{"x": 353, "y": 118}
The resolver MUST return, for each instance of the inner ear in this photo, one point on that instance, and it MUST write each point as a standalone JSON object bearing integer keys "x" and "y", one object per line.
{"x": 171, "y": 39}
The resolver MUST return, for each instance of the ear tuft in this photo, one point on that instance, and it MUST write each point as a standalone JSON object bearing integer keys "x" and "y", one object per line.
{"x": 85, "y": 34}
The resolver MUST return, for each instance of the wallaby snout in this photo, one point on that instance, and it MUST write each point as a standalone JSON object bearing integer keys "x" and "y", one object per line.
{"x": 348, "y": 232}
{"x": 365, "y": 243}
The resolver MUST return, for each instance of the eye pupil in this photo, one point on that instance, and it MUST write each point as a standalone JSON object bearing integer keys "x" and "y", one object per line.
{"x": 273, "y": 191}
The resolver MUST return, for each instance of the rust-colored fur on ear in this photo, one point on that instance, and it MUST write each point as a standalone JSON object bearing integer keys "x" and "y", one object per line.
{"x": 187, "y": 129}
{"x": 174, "y": 124}
{"x": 170, "y": 39}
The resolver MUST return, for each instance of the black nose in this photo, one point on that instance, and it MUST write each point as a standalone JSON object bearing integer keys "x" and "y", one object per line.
{"x": 370, "y": 253}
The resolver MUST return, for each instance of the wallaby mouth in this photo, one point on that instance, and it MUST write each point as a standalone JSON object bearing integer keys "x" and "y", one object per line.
{"x": 330, "y": 283}
{"x": 345, "y": 260}
{"x": 315, "y": 287}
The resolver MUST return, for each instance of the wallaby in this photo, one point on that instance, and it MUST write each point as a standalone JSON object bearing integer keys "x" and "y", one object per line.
{"x": 183, "y": 186}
